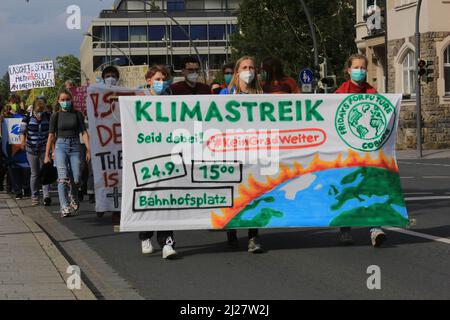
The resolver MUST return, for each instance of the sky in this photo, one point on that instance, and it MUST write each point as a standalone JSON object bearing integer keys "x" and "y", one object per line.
{"x": 36, "y": 29}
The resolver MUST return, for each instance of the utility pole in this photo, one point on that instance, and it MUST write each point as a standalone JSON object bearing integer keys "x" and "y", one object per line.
{"x": 418, "y": 84}
{"x": 312, "y": 31}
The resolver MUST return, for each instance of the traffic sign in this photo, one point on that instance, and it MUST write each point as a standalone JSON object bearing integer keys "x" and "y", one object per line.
{"x": 306, "y": 76}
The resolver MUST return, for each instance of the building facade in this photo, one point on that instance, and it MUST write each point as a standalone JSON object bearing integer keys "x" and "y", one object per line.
{"x": 133, "y": 33}
{"x": 387, "y": 37}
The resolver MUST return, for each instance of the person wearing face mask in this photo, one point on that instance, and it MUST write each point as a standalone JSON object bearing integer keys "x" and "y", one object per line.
{"x": 228, "y": 72}
{"x": 65, "y": 128}
{"x": 244, "y": 81}
{"x": 216, "y": 87}
{"x": 18, "y": 167}
{"x": 156, "y": 78}
{"x": 190, "y": 86}
{"x": 111, "y": 76}
{"x": 33, "y": 136}
{"x": 357, "y": 71}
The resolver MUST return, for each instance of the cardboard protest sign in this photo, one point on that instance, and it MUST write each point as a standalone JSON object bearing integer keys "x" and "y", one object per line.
{"x": 31, "y": 75}
{"x": 79, "y": 99}
{"x": 260, "y": 161}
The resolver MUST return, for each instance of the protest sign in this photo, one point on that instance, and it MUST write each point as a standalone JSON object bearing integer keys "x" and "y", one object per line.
{"x": 79, "y": 98}
{"x": 31, "y": 75}
{"x": 106, "y": 144}
{"x": 260, "y": 161}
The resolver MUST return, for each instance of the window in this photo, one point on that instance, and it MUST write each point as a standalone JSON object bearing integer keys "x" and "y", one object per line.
{"x": 156, "y": 33}
{"x": 447, "y": 70}
{"x": 232, "y": 28}
{"x": 175, "y": 5}
{"x": 100, "y": 33}
{"x": 178, "y": 34}
{"x": 138, "y": 33}
{"x": 195, "y": 5}
{"x": 199, "y": 32}
{"x": 139, "y": 60}
{"x": 217, "y": 32}
{"x": 119, "y": 33}
{"x": 409, "y": 73}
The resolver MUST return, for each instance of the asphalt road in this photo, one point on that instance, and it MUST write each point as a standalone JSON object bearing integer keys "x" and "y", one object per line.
{"x": 299, "y": 263}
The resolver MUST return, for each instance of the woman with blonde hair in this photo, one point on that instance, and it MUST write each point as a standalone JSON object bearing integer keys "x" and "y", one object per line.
{"x": 244, "y": 80}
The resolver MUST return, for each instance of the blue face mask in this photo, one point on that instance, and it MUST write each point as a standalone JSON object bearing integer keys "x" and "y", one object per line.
{"x": 66, "y": 105}
{"x": 228, "y": 78}
{"x": 359, "y": 75}
{"x": 159, "y": 87}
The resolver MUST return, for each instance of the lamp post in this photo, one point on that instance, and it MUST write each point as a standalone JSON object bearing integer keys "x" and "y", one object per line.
{"x": 191, "y": 43}
{"x": 88, "y": 34}
{"x": 418, "y": 84}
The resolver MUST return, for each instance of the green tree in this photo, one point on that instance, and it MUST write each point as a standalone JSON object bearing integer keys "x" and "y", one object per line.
{"x": 280, "y": 28}
{"x": 4, "y": 89}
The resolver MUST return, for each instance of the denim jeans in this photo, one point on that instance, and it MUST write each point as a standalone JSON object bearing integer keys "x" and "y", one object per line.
{"x": 68, "y": 163}
{"x": 36, "y": 161}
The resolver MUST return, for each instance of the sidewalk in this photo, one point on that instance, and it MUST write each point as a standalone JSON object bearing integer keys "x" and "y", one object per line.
{"x": 427, "y": 154}
{"x": 31, "y": 267}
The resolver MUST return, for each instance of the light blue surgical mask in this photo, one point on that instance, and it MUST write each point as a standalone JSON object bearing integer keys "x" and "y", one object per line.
{"x": 159, "y": 87}
{"x": 228, "y": 78}
{"x": 65, "y": 105}
{"x": 359, "y": 75}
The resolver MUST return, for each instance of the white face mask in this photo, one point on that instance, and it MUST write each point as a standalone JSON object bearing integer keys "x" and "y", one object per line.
{"x": 110, "y": 81}
{"x": 247, "y": 76}
{"x": 192, "y": 77}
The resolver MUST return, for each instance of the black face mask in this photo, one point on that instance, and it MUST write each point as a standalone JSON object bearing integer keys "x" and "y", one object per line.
{"x": 217, "y": 90}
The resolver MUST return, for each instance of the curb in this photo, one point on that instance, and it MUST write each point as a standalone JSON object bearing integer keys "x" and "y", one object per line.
{"x": 55, "y": 256}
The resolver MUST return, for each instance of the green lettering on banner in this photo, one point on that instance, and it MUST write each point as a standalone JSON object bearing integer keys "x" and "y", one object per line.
{"x": 266, "y": 111}
{"x": 159, "y": 115}
{"x": 195, "y": 112}
{"x": 231, "y": 107}
{"x": 213, "y": 112}
{"x": 312, "y": 112}
{"x": 284, "y": 109}
{"x": 141, "y": 111}
{"x": 173, "y": 107}
{"x": 298, "y": 107}
{"x": 250, "y": 106}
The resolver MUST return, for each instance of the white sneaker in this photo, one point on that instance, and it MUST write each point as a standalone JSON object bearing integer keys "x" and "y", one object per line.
{"x": 168, "y": 252}
{"x": 377, "y": 236}
{"x": 147, "y": 247}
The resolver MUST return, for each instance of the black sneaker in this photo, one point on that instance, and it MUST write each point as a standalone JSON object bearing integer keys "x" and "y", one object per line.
{"x": 47, "y": 202}
{"x": 19, "y": 196}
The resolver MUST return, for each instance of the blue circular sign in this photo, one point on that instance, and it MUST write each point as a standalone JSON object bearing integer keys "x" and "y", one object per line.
{"x": 306, "y": 76}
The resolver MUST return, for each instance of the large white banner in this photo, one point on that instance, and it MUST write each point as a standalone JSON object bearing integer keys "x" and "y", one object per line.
{"x": 106, "y": 144}
{"x": 260, "y": 161}
{"x": 31, "y": 75}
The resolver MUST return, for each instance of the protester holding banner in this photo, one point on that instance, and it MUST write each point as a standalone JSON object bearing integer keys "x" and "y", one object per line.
{"x": 33, "y": 135}
{"x": 110, "y": 76}
{"x": 16, "y": 158}
{"x": 228, "y": 72}
{"x": 357, "y": 71}
{"x": 156, "y": 79}
{"x": 244, "y": 82}
{"x": 191, "y": 86}
{"x": 274, "y": 80}
{"x": 65, "y": 128}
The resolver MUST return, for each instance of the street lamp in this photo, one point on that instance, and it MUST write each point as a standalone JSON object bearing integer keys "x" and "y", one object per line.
{"x": 191, "y": 43}
{"x": 88, "y": 34}
{"x": 109, "y": 62}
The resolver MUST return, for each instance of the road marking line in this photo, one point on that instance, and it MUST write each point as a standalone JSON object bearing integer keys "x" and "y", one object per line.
{"x": 426, "y": 164}
{"x": 420, "y": 193}
{"x": 427, "y": 198}
{"x": 436, "y": 177}
{"x": 418, "y": 234}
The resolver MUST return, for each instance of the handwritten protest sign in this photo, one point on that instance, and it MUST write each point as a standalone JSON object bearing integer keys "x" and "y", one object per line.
{"x": 106, "y": 144}
{"x": 31, "y": 75}
{"x": 79, "y": 98}
{"x": 260, "y": 161}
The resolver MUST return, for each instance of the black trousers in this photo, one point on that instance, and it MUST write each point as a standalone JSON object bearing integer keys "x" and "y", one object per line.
{"x": 251, "y": 233}
{"x": 161, "y": 236}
